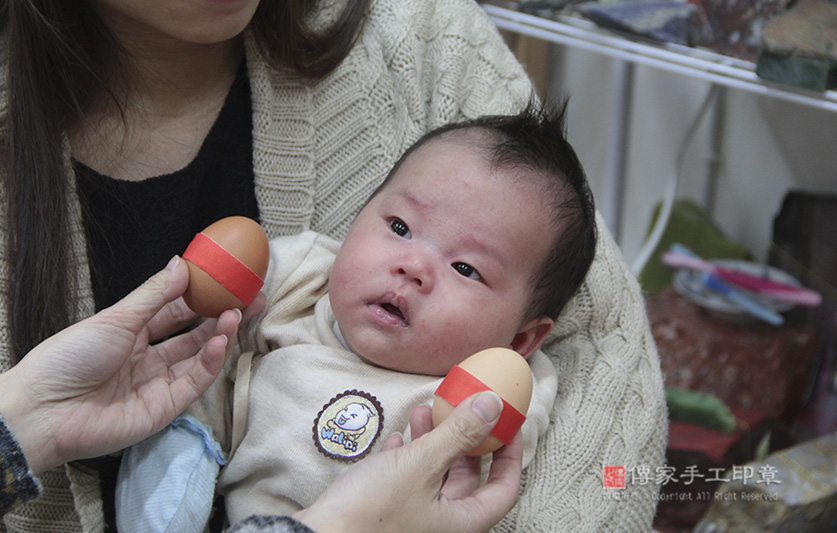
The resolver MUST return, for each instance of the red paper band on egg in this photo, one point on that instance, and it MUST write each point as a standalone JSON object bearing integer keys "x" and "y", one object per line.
{"x": 459, "y": 384}
{"x": 224, "y": 267}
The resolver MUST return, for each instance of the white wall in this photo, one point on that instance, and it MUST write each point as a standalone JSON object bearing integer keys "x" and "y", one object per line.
{"x": 767, "y": 146}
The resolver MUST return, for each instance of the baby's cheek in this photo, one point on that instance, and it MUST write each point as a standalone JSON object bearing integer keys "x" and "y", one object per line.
{"x": 459, "y": 340}
{"x": 494, "y": 334}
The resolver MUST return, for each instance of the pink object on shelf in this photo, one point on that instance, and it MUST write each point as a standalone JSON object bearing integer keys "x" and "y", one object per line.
{"x": 779, "y": 291}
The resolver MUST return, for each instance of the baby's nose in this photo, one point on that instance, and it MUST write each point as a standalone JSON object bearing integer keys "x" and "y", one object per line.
{"x": 417, "y": 269}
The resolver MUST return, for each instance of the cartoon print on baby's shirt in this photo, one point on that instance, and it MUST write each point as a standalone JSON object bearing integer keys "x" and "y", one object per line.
{"x": 348, "y": 425}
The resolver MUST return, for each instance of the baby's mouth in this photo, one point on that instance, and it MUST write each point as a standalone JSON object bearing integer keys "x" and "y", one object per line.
{"x": 393, "y": 310}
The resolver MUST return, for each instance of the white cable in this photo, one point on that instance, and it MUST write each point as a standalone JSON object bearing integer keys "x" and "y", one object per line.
{"x": 671, "y": 188}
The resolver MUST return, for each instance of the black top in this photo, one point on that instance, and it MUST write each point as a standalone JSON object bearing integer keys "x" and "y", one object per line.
{"x": 133, "y": 228}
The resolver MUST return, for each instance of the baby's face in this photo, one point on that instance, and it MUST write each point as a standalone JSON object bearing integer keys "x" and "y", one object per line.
{"x": 438, "y": 264}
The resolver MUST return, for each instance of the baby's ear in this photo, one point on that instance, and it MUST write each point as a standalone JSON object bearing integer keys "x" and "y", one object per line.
{"x": 531, "y": 335}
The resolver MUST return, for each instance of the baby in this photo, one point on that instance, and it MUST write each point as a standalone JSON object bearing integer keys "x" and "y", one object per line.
{"x": 478, "y": 237}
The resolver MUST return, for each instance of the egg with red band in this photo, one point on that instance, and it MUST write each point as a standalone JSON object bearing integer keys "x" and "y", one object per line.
{"x": 502, "y": 370}
{"x": 227, "y": 264}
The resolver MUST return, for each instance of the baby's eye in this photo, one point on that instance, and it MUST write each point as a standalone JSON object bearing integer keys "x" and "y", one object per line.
{"x": 399, "y": 228}
{"x": 467, "y": 270}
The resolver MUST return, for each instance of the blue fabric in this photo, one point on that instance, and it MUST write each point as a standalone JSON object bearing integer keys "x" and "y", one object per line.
{"x": 166, "y": 483}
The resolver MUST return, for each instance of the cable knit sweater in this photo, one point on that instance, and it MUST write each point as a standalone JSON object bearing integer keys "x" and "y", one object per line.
{"x": 320, "y": 148}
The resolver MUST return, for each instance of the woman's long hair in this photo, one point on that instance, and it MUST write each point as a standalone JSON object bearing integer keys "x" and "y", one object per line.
{"x": 60, "y": 58}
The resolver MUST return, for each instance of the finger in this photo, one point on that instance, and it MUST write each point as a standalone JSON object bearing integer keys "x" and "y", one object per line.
{"x": 194, "y": 375}
{"x": 255, "y": 307}
{"x": 464, "y": 474}
{"x": 421, "y": 421}
{"x": 396, "y": 440}
{"x": 497, "y": 497}
{"x": 463, "y": 478}
{"x": 136, "y": 309}
{"x": 508, "y": 460}
{"x": 187, "y": 344}
{"x": 176, "y": 315}
{"x": 173, "y": 317}
{"x": 461, "y": 431}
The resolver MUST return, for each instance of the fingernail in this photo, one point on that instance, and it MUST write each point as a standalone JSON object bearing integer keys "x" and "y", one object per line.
{"x": 238, "y": 312}
{"x": 226, "y": 339}
{"x": 173, "y": 262}
{"x": 488, "y": 405}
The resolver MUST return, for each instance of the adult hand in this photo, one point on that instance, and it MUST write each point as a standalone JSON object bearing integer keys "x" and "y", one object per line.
{"x": 426, "y": 485}
{"x": 102, "y": 384}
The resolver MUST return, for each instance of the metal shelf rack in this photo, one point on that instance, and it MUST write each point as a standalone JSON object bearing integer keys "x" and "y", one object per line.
{"x": 684, "y": 60}
{"x": 719, "y": 70}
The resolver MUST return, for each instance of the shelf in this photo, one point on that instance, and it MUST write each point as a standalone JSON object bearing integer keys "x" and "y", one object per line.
{"x": 683, "y": 60}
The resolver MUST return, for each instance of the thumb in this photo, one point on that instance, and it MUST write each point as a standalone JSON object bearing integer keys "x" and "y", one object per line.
{"x": 467, "y": 426}
{"x": 146, "y": 300}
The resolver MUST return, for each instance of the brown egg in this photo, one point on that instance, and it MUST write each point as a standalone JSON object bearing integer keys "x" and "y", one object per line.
{"x": 227, "y": 264}
{"x": 502, "y": 370}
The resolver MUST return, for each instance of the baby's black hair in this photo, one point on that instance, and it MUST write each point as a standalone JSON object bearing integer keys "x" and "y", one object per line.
{"x": 534, "y": 140}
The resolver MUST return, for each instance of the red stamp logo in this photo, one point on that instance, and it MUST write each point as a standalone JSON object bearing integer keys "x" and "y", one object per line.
{"x": 614, "y": 477}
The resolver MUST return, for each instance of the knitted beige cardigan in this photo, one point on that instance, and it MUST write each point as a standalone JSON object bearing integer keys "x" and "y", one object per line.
{"x": 319, "y": 150}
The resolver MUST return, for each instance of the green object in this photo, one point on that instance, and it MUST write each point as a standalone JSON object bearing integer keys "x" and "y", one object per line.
{"x": 808, "y": 73}
{"x": 690, "y": 225}
{"x": 762, "y": 448}
{"x": 699, "y": 408}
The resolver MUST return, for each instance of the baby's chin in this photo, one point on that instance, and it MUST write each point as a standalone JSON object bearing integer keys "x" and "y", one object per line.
{"x": 362, "y": 355}
{"x": 387, "y": 360}
{"x": 389, "y": 364}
